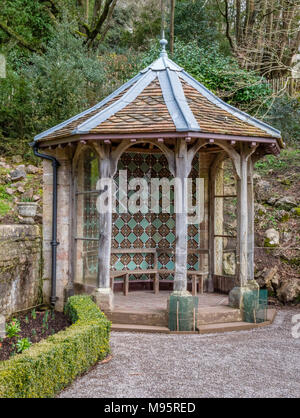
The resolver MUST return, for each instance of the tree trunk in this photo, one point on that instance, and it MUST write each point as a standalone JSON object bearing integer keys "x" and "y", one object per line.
{"x": 172, "y": 17}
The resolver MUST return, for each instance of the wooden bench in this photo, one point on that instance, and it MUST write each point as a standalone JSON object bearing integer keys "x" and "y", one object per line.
{"x": 197, "y": 277}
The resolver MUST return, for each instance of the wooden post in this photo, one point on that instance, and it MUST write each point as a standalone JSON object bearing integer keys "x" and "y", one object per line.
{"x": 104, "y": 294}
{"x": 194, "y": 285}
{"x": 182, "y": 169}
{"x": 126, "y": 284}
{"x": 156, "y": 275}
{"x": 243, "y": 219}
{"x": 250, "y": 220}
{"x": 201, "y": 284}
{"x": 215, "y": 263}
{"x": 105, "y": 232}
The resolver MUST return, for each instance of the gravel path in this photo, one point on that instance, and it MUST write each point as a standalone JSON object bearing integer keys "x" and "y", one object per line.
{"x": 261, "y": 363}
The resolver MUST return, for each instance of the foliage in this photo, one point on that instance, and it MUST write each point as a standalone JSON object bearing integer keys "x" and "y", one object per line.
{"x": 285, "y": 115}
{"x": 63, "y": 81}
{"x": 197, "y": 21}
{"x": 50, "y": 365}
{"x": 53, "y": 87}
{"x": 146, "y": 27}
{"x": 288, "y": 158}
{"x": 219, "y": 73}
{"x": 43, "y": 89}
{"x": 29, "y": 19}
{"x": 13, "y": 328}
{"x": 23, "y": 344}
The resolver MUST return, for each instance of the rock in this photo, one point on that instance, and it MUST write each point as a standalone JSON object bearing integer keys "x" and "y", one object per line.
{"x": 259, "y": 209}
{"x": 272, "y": 201}
{"x": 268, "y": 278}
{"x": 28, "y": 194}
{"x": 287, "y": 236}
{"x": 21, "y": 189}
{"x": 5, "y": 165}
{"x": 263, "y": 190}
{"x": 271, "y": 238}
{"x": 286, "y": 202}
{"x": 282, "y": 216}
{"x": 10, "y": 191}
{"x": 31, "y": 169}
{"x": 275, "y": 281}
{"x": 19, "y": 184}
{"x": 18, "y": 174}
{"x": 289, "y": 291}
{"x": 229, "y": 263}
{"x": 36, "y": 197}
{"x": 256, "y": 177}
{"x": 17, "y": 159}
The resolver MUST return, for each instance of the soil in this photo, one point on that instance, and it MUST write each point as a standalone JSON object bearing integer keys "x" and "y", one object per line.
{"x": 35, "y": 325}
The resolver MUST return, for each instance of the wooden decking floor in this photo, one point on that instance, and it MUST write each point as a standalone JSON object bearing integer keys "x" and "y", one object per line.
{"x": 147, "y": 301}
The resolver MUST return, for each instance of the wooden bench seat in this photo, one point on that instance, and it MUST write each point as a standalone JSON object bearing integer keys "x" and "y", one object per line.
{"x": 196, "y": 277}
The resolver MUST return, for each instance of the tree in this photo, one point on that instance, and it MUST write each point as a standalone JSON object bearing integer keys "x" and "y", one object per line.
{"x": 97, "y": 25}
{"x": 263, "y": 34}
{"x": 172, "y": 17}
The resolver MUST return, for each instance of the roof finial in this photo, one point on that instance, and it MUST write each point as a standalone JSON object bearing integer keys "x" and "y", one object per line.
{"x": 163, "y": 42}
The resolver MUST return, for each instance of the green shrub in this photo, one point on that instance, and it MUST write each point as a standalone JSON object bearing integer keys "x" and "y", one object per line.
{"x": 50, "y": 365}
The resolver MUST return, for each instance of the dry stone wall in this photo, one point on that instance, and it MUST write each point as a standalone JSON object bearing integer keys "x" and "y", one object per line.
{"x": 20, "y": 267}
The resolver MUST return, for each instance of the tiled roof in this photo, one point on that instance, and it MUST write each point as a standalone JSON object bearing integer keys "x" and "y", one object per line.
{"x": 162, "y": 98}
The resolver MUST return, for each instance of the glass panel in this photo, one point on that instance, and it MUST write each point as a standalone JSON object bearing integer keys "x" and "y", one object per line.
{"x": 87, "y": 218}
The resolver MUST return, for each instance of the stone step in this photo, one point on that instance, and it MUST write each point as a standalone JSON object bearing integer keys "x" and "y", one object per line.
{"x": 157, "y": 318}
{"x": 236, "y": 326}
{"x": 139, "y": 328}
{"x": 202, "y": 329}
{"x": 218, "y": 315}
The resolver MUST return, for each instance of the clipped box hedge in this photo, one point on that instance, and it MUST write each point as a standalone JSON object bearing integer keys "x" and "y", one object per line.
{"x": 50, "y": 365}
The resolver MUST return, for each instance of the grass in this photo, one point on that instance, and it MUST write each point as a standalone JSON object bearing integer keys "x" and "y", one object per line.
{"x": 4, "y": 208}
{"x": 3, "y": 195}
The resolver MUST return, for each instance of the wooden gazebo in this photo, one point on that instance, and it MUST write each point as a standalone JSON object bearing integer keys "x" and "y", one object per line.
{"x": 162, "y": 121}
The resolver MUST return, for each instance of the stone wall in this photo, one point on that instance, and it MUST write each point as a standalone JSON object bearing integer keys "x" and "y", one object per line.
{"x": 64, "y": 199}
{"x": 20, "y": 267}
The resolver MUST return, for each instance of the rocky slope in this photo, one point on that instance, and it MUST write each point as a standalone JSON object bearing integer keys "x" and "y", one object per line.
{"x": 277, "y": 225}
{"x": 19, "y": 181}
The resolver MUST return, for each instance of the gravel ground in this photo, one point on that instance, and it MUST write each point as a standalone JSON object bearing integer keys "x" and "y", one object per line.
{"x": 261, "y": 363}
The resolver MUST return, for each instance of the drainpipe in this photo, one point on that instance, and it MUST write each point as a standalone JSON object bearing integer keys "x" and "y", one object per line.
{"x": 54, "y": 243}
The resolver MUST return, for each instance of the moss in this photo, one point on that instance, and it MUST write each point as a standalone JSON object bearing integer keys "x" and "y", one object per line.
{"x": 285, "y": 217}
{"x": 50, "y": 365}
{"x": 297, "y": 211}
{"x": 267, "y": 243}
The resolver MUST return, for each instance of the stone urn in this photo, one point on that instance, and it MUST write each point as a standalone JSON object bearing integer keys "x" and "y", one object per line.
{"x": 28, "y": 211}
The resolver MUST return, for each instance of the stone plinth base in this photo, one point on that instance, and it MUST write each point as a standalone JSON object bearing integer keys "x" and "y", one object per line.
{"x": 104, "y": 298}
{"x": 182, "y": 307}
{"x": 236, "y": 295}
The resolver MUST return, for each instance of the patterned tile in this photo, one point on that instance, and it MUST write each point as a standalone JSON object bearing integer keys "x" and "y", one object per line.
{"x": 140, "y": 230}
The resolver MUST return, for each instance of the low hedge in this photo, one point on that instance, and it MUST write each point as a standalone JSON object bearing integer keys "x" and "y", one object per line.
{"x": 50, "y": 365}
